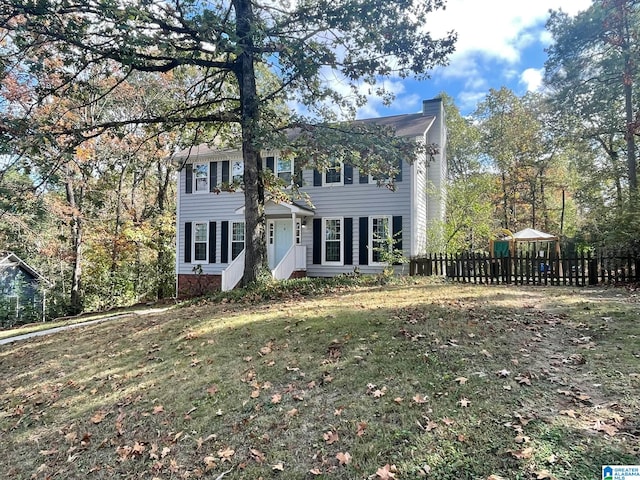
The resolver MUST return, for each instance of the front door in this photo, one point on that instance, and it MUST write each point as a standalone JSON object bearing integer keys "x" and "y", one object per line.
{"x": 280, "y": 240}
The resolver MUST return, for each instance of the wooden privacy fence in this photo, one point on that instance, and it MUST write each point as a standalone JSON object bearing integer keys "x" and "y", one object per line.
{"x": 527, "y": 269}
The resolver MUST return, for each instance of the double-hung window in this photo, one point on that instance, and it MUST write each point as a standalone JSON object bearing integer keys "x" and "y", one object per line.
{"x": 237, "y": 172}
{"x": 237, "y": 239}
{"x": 332, "y": 241}
{"x": 201, "y": 177}
{"x": 333, "y": 174}
{"x": 284, "y": 169}
{"x": 200, "y": 242}
{"x": 380, "y": 239}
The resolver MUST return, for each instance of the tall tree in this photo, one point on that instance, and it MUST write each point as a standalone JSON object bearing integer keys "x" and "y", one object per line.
{"x": 591, "y": 71}
{"x": 302, "y": 43}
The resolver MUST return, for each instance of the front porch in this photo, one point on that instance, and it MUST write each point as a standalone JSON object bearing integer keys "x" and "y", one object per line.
{"x": 286, "y": 254}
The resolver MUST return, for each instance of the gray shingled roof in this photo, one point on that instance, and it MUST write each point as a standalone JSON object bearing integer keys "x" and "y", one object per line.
{"x": 407, "y": 125}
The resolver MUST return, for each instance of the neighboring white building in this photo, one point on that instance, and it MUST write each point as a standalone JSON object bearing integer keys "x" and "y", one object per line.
{"x": 339, "y": 234}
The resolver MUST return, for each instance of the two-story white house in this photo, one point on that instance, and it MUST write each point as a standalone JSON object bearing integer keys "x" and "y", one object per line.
{"x": 351, "y": 214}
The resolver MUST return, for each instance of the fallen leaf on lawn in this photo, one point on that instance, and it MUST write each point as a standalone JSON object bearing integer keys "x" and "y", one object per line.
{"x": 523, "y": 454}
{"x": 462, "y": 438}
{"x": 398, "y": 400}
{"x": 293, "y": 412}
{"x": 461, "y": 380}
{"x": 212, "y": 390}
{"x": 503, "y": 373}
{"x": 545, "y": 474}
{"x": 379, "y": 392}
{"x": 485, "y": 353}
{"x": 138, "y": 448}
{"x": 330, "y": 437}
{"x": 506, "y": 387}
{"x": 464, "y": 402}
{"x": 387, "y": 472}
{"x": 338, "y": 411}
{"x": 521, "y": 439}
{"x": 568, "y": 413}
{"x": 448, "y": 421}
{"x": 362, "y": 426}
{"x": 495, "y": 477}
{"x": 48, "y": 452}
{"x": 158, "y": 409}
{"x": 255, "y": 394}
{"x": 419, "y": 399}
{"x": 315, "y": 471}
{"x": 210, "y": 463}
{"x": 278, "y": 467}
{"x": 98, "y": 416}
{"x": 276, "y": 398}
{"x": 266, "y": 349}
{"x": 523, "y": 380}
{"x": 226, "y": 454}
{"x": 344, "y": 458}
{"x": 247, "y": 359}
{"x": 257, "y": 455}
{"x": 603, "y": 427}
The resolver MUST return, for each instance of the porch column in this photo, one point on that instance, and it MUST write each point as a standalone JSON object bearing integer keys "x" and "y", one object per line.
{"x": 293, "y": 222}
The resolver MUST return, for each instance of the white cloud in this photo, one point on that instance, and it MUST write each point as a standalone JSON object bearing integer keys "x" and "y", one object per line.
{"x": 532, "y": 78}
{"x": 496, "y": 28}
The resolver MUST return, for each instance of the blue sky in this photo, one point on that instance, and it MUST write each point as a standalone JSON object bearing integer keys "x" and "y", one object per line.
{"x": 500, "y": 43}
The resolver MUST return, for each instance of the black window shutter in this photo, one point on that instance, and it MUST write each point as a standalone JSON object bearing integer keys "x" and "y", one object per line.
{"x": 225, "y": 171}
{"x": 348, "y": 174}
{"x": 212, "y": 242}
{"x": 297, "y": 171}
{"x": 271, "y": 164}
{"x": 363, "y": 243}
{"x": 398, "y": 177}
{"x": 224, "y": 242}
{"x": 188, "y": 171}
{"x": 213, "y": 176}
{"x": 187, "y": 242}
{"x": 397, "y": 232}
{"x": 364, "y": 178}
{"x": 348, "y": 241}
{"x": 317, "y": 241}
{"x": 317, "y": 178}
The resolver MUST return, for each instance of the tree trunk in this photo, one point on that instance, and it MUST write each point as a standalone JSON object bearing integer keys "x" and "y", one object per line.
{"x": 505, "y": 201}
{"x": 163, "y": 289}
{"x": 255, "y": 245}
{"x": 76, "y": 242}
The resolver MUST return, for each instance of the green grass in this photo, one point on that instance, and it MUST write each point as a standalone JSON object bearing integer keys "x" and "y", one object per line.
{"x": 291, "y": 376}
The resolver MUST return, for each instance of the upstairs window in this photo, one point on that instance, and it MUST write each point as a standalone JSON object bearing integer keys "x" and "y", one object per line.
{"x": 237, "y": 172}
{"x": 333, "y": 174}
{"x": 284, "y": 169}
{"x": 201, "y": 177}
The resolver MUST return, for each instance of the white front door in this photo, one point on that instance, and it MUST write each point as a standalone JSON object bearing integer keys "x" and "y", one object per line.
{"x": 280, "y": 240}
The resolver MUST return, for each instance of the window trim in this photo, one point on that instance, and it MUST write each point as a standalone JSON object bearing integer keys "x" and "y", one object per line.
{"x": 196, "y": 190}
{"x": 370, "y": 245}
{"x": 324, "y": 260}
{"x": 340, "y": 165}
{"x": 232, "y": 241}
{"x": 194, "y": 241}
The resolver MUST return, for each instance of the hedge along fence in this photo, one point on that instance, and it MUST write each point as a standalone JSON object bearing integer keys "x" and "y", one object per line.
{"x": 527, "y": 269}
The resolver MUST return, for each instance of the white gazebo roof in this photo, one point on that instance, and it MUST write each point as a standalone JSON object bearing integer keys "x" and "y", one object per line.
{"x": 531, "y": 234}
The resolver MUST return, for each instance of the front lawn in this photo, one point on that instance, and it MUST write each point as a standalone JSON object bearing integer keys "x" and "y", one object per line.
{"x": 420, "y": 380}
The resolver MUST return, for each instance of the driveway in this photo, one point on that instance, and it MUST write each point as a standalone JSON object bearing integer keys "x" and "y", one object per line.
{"x": 50, "y": 331}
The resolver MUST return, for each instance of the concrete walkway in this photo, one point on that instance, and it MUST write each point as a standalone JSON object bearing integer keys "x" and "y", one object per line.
{"x": 49, "y": 331}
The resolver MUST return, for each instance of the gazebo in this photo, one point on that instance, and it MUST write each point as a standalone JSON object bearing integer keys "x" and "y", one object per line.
{"x": 540, "y": 243}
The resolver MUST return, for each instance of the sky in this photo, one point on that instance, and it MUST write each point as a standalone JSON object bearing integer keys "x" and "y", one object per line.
{"x": 500, "y": 43}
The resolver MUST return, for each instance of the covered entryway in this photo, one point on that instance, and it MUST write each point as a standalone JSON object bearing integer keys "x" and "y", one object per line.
{"x": 280, "y": 239}
{"x": 286, "y": 252}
